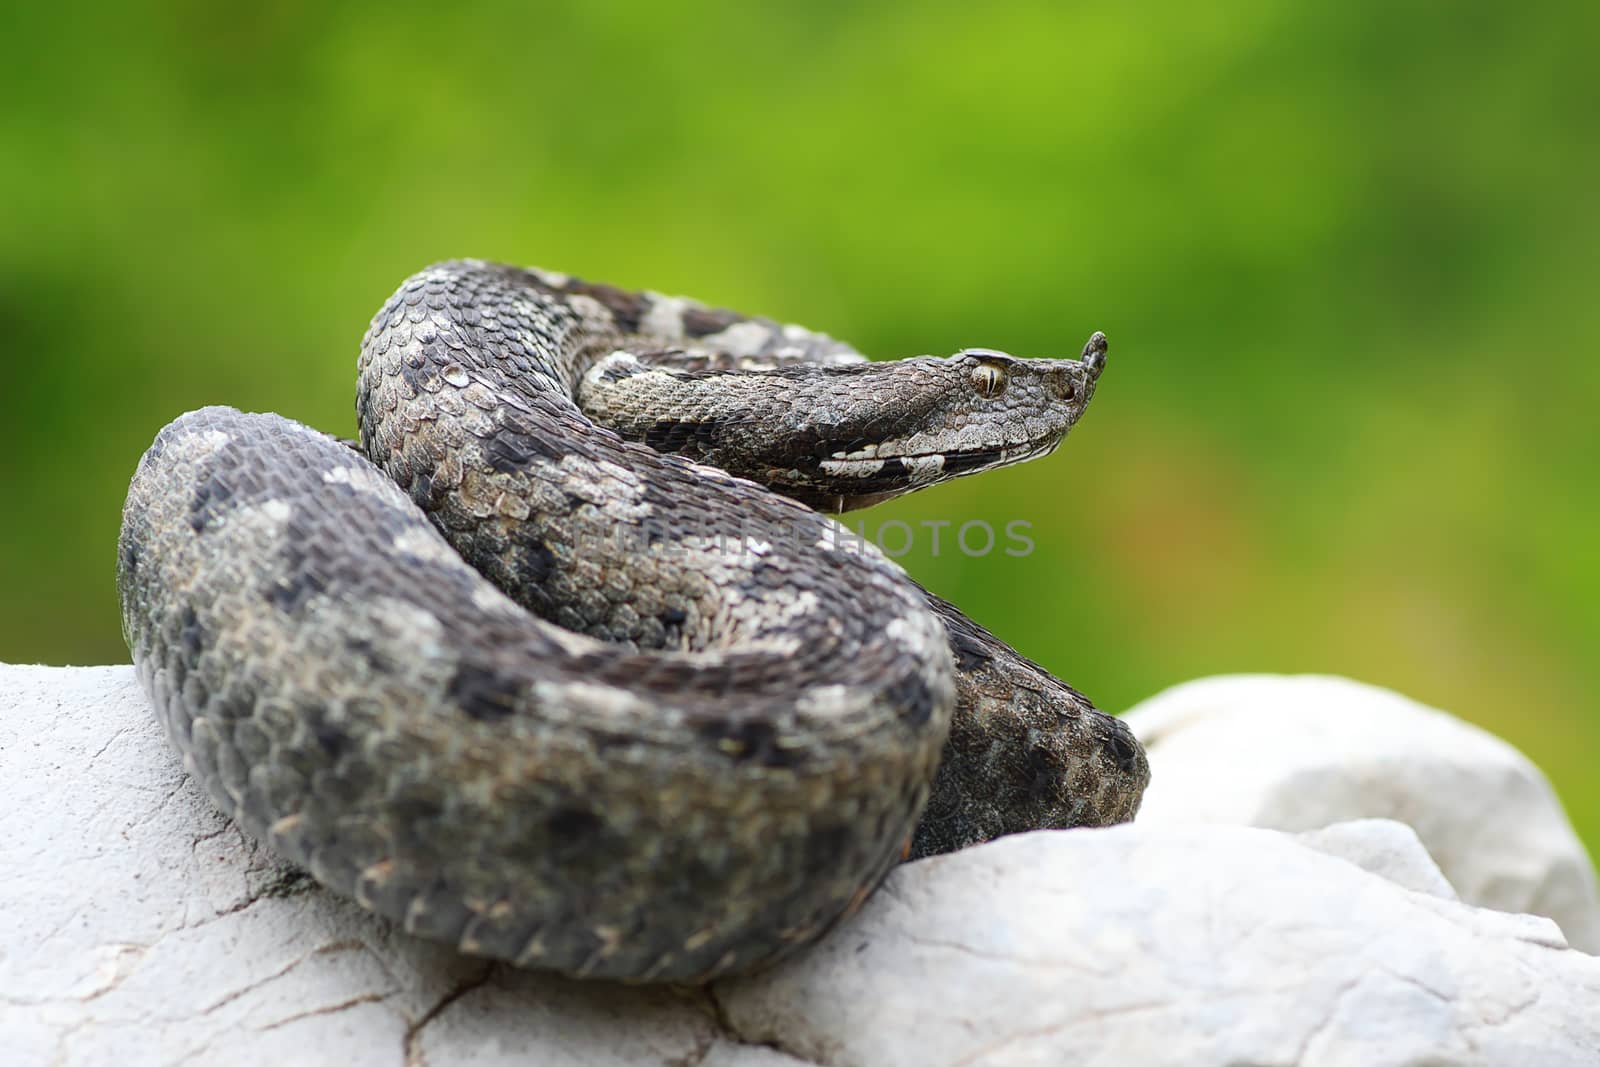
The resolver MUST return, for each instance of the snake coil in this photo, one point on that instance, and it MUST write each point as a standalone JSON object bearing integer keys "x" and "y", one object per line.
{"x": 539, "y": 670}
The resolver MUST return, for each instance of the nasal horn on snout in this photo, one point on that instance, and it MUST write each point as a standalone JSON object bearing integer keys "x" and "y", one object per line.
{"x": 1094, "y": 354}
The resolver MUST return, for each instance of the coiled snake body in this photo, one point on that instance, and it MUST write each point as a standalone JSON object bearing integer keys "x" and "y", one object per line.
{"x": 571, "y": 696}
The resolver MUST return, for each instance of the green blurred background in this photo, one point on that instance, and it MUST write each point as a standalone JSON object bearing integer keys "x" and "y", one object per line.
{"x": 1345, "y": 255}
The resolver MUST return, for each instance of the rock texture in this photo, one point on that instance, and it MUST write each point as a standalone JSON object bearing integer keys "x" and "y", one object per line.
{"x": 138, "y": 927}
{"x": 1387, "y": 848}
{"x": 1302, "y": 752}
{"x": 1174, "y": 945}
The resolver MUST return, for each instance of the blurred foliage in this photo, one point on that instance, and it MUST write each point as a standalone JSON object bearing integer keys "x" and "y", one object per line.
{"x": 1345, "y": 255}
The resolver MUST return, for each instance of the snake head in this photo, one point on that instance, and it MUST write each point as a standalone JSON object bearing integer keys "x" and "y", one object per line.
{"x": 841, "y": 437}
{"x": 917, "y": 422}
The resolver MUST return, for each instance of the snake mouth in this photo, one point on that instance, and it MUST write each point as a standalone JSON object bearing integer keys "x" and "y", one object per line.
{"x": 859, "y": 482}
{"x": 921, "y": 468}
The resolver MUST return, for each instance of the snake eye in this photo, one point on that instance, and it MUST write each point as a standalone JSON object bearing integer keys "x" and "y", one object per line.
{"x": 989, "y": 378}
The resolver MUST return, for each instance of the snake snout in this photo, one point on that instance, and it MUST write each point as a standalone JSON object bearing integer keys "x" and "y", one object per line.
{"x": 1124, "y": 752}
{"x": 1094, "y": 354}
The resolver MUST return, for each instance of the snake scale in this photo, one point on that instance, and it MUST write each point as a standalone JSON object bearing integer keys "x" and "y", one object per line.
{"x": 539, "y": 670}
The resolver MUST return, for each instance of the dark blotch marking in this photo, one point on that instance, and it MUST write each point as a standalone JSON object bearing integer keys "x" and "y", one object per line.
{"x": 511, "y": 450}
{"x": 520, "y": 573}
{"x": 698, "y": 321}
{"x": 671, "y": 435}
{"x": 571, "y": 825}
{"x": 210, "y": 497}
{"x": 754, "y": 740}
{"x": 823, "y": 449}
{"x": 912, "y": 696}
{"x": 300, "y": 581}
{"x": 629, "y": 308}
{"x": 674, "y": 617}
{"x": 617, "y": 371}
{"x": 290, "y": 593}
{"x": 962, "y": 462}
{"x": 334, "y": 741}
{"x": 483, "y": 693}
{"x": 533, "y": 560}
{"x": 422, "y": 492}
{"x": 827, "y": 845}
{"x": 415, "y": 806}
{"x": 376, "y": 661}
{"x": 1045, "y": 773}
{"x": 128, "y": 555}
{"x": 190, "y": 633}
{"x": 419, "y": 378}
{"x": 808, "y": 446}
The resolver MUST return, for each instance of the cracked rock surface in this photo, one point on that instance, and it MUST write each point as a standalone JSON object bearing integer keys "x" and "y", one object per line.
{"x": 137, "y": 926}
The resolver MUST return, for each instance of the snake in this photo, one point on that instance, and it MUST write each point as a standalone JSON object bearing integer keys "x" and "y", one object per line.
{"x": 565, "y": 661}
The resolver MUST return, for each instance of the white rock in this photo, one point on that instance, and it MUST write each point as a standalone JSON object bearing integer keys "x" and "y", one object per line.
{"x": 1299, "y": 753}
{"x": 1384, "y": 847}
{"x": 138, "y": 927}
{"x": 1185, "y": 945}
